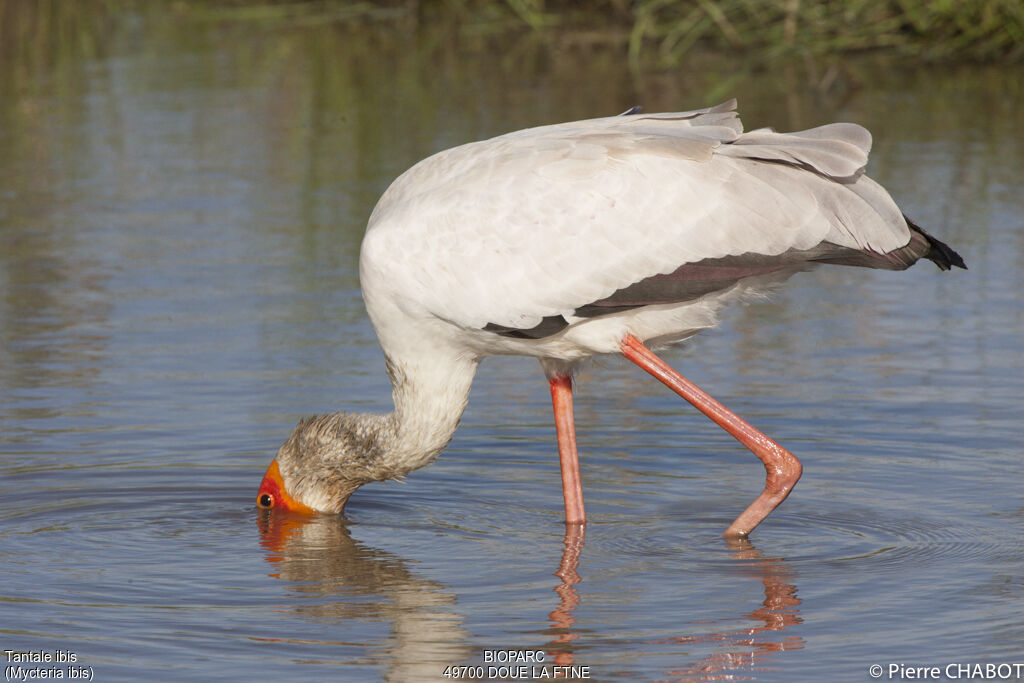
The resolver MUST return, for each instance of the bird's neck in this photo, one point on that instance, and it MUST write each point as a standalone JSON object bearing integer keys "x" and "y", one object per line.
{"x": 430, "y": 395}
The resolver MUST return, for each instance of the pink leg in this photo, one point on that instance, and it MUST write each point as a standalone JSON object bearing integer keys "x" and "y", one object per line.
{"x": 572, "y": 489}
{"x": 782, "y": 466}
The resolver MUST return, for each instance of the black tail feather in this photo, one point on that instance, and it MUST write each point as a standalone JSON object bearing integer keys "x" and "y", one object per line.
{"x": 939, "y": 253}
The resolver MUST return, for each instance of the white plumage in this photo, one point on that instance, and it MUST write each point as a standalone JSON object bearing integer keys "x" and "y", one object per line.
{"x": 539, "y": 222}
{"x": 597, "y": 236}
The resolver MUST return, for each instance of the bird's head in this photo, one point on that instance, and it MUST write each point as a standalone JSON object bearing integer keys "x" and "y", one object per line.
{"x": 274, "y": 494}
{"x": 324, "y": 460}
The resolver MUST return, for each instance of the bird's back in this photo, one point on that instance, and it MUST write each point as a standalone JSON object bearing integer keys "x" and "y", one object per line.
{"x": 553, "y": 223}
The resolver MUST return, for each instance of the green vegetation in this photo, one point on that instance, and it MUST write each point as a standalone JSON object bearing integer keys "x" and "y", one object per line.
{"x": 658, "y": 31}
{"x": 927, "y": 30}
{"x": 653, "y": 33}
{"x": 663, "y": 32}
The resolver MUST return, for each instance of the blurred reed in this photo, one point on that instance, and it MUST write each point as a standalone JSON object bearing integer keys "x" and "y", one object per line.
{"x": 652, "y": 33}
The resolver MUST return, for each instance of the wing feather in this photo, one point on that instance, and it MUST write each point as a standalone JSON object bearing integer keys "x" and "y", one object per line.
{"x": 517, "y": 230}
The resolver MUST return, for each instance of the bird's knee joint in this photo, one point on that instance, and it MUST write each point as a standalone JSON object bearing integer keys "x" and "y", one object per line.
{"x": 782, "y": 476}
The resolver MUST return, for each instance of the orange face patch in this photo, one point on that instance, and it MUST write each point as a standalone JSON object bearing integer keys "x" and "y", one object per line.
{"x": 272, "y": 493}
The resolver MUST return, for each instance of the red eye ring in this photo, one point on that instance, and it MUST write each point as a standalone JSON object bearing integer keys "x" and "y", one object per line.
{"x": 265, "y": 500}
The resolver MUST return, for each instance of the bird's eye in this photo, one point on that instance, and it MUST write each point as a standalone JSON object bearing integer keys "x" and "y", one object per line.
{"x": 265, "y": 500}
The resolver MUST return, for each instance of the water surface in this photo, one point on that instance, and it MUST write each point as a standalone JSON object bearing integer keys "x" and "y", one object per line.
{"x": 181, "y": 205}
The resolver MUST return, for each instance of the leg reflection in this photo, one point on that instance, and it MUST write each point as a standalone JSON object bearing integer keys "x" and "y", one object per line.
{"x": 561, "y": 617}
{"x": 749, "y": 648}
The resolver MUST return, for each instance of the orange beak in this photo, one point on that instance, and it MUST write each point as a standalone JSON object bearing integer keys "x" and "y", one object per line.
{"x": 272, "y": 493}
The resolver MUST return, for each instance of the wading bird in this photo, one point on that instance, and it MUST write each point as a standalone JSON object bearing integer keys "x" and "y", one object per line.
{"x": 610, "y": 235}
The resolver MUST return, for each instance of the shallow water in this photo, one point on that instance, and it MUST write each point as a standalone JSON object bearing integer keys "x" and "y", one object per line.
{"x": 181, "y": 205}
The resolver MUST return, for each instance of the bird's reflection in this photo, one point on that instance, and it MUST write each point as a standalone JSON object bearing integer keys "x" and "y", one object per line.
{"x": 749, "y": 648}
{"x": 317, "y": 555}
{"x": 744, "y": 649}
{"x": 561, "y": 618}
